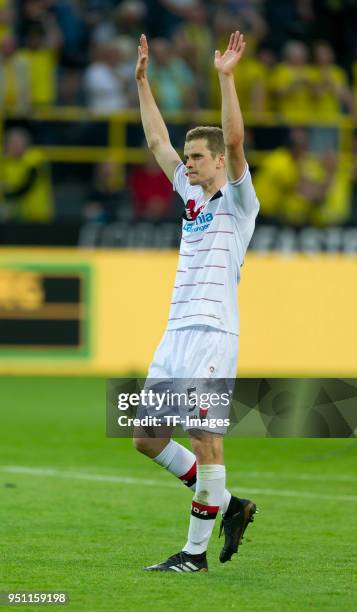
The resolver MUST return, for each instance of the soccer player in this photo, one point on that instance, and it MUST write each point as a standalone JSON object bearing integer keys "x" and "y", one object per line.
{"x": 201, "y": 340}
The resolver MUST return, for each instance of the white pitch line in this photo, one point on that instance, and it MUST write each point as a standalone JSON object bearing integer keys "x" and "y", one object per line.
{"x": 306, "y": 494}
{"x": 19, "y": 469}
{"x": 51, "y": 472}
{"x": 288, "y": 476}
{"x": 241, "y": 475}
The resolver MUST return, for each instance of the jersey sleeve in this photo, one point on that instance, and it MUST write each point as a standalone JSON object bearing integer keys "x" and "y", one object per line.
{"x": 243, "y": 195}
{"x": 180, "y": 182}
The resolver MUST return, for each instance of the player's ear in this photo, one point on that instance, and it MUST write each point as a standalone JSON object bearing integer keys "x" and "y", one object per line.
{"x": 221, "y": 160}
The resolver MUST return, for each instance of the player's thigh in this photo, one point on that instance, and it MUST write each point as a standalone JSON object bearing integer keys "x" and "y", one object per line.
{"x": 208, "y": 353}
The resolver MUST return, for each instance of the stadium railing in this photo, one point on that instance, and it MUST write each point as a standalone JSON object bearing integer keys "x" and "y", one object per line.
{"x": 119, "y": 149}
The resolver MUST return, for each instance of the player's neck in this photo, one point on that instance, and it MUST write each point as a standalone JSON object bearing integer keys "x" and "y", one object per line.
{"x": 210, "y": 188}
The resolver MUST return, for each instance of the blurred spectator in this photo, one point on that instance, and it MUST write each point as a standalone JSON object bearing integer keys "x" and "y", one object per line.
{"x": 171, "y": 78}
{"x": 223, "y": 24}
{"x": 332, "y": 93}
{"x": 128, "y": 51}
{"x": 250, "y": 19}
{"x": 292, "y": 83}
{"x": 40, "y": 54}
{"x": 172, "y": 13}
{"x": 264, "y": 97}
{"x": 183, "y": 8}
{"x": 15, "y": 90}
{"x": 127, "y": 18}
{"x": 250, "y": 75}
{"x": 103, "y": 5}
{"x": 297, "y": 187}
{"x": 99, "y": 20}
{"x": 193, "y": 43}
{"x": 27, "y": 187}
{"x": 286, "y": 21}
{"x": 71, "y": 19}
{"x": 244, "y": 18}
{"x": 34, "y": 12}
{"x": 238, "y": 7}
{"x": 70, "y": 92}
{"x": 354, "y": 81}
{"x": 106, "y": 80}
{"x": 105, "y": 196}
{"x": 336, "y": 21}
{"x": 151, "y": 191}
{"x": 6, "y": 18}
{"x": 185, "y": 49}
{"x": 130, "y": 18}
{"x": 332, "y": 96}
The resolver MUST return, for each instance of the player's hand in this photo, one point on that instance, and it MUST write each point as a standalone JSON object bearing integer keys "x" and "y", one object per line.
{"x": 143, "y": 58}
{"x": 227, "y": 62}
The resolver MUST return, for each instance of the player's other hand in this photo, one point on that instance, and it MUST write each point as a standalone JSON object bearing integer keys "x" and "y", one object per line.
{"x": 227, "y": 62}
{"x": 143, "y": 58}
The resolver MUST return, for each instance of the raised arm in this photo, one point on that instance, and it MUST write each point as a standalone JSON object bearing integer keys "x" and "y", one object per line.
{"x": 232, "y": 120}
{"x": 156, "y": 132}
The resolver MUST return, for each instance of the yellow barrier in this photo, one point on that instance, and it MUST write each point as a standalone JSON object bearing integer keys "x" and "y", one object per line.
{"x": 298, "y": 313}
{"x": 120, "y": 150}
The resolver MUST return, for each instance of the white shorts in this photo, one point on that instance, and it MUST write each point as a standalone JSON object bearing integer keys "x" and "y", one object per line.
{"x": 197, "y": 361}
{"x": 197, "y": 351}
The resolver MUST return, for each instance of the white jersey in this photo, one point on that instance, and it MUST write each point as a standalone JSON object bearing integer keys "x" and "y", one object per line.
{"x": 215, "y": 237}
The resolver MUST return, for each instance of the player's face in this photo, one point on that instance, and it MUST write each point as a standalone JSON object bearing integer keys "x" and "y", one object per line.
{"x": 201, "y": 166}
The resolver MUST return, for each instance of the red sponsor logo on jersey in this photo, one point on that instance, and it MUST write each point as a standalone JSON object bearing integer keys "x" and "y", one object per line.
{"x": 191, "y": 213}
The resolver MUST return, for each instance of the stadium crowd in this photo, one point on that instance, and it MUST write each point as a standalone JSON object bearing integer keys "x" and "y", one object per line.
{"x": 297, "y": 67}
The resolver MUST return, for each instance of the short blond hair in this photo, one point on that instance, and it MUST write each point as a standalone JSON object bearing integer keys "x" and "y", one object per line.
{"x": 213, "y": 136}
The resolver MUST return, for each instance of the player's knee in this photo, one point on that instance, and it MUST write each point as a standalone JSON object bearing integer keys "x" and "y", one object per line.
{"x": 207, "y": 449}
{"x": 142, "y": 445}
{"x": 208, "y": 456}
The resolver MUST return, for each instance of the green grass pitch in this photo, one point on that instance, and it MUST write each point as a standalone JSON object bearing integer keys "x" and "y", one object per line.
{"x": 83, "y": 514}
